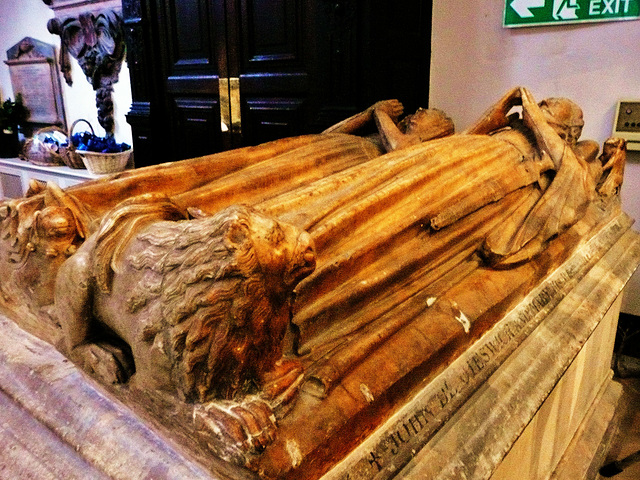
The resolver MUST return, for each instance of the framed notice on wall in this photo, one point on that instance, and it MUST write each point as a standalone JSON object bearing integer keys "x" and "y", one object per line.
{"x": 34, "y": 75}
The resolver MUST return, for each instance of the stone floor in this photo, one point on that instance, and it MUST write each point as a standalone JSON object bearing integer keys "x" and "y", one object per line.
{"x": 627, "y": 439}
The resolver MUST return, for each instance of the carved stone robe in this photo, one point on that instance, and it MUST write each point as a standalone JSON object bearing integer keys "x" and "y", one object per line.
{"x": 376, "y": 220}
{"x": 402, "y": 239}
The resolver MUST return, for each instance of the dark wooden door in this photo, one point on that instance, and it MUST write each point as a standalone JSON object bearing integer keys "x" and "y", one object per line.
{"x": 209, "y": 75}
{"x": 269, "y": 54}
{"x": 176, "y": 52}
{"x": 193, "y": 59}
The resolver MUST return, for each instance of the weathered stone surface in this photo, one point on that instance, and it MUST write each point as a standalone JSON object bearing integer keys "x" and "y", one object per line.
{"x": 73, "y": 427}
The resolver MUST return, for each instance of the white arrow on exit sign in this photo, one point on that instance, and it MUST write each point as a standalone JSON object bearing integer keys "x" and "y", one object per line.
{"x": 565, "y": 9}
{"x": 522, "y": 7}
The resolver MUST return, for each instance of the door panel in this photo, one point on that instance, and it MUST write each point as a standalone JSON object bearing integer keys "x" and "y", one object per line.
{"x": 268, "y": 58}
{"x": 270, "y": 118}
{"x": 194, "y": 58}
{"x": 271, "y": 34}
{"x": 195, "y": 33}
{"x": 198, "y": 130}
{"x": 401, "y": 39}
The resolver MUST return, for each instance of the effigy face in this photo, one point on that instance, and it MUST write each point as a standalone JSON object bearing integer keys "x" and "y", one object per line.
{"x": 274, "y": 305}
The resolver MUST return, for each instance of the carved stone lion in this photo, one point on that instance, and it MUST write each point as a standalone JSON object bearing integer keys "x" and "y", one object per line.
{"x": 197, "y": 307}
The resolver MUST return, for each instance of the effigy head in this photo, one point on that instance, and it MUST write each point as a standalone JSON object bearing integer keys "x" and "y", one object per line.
{"x": 565, "y": 116}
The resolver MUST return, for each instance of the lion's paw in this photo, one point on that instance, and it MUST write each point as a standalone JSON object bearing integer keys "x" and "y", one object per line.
{"x": 246, "y": 427}
{"x": 108, "y": 363}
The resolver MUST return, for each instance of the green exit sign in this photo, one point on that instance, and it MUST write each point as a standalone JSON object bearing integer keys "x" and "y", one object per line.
{"x": 529, "y": 13}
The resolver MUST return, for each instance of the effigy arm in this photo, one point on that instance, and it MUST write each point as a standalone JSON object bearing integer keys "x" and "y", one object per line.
{"x": 354, "y": 123}
{"x": 547, "y": 138}
{"x": 497, "y": 116}
{"x": 392, "y": 137}
{"x": 613, "y": 159}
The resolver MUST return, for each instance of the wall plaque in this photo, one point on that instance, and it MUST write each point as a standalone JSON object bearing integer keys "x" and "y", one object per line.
{"x": 34, "y": 75}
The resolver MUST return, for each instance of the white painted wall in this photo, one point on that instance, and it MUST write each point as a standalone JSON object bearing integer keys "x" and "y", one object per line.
{"x": 28, "y": 18}
{"x": 475, "y": 60}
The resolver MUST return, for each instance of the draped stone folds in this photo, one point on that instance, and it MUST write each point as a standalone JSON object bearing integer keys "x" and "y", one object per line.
{"x": 419, "y": 252}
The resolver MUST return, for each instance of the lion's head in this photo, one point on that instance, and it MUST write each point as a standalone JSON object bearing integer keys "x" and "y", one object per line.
{"x": 224, "y": 283}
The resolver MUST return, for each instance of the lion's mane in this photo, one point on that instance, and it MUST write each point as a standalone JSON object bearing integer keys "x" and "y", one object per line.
{"x": 212, "y": 302}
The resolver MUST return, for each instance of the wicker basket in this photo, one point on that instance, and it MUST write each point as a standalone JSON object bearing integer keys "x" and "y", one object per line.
{"x": 40, "y": 153}
{"x": 100, "y": 163}
{"x": 70, "y": 156}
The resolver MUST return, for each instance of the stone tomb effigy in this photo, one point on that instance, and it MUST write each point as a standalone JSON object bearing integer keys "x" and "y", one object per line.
{"x": 315, "y": 306}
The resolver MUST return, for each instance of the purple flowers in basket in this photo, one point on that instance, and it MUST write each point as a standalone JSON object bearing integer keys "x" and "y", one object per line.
{"x": 86, "y": 141}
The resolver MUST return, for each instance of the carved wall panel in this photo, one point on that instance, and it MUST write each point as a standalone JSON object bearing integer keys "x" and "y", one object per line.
{"x": 144, "y": 73}
{"x": 73, "y": 8}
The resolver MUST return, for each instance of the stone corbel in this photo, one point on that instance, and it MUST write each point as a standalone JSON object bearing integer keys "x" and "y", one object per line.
{"x": 96, "y": 41}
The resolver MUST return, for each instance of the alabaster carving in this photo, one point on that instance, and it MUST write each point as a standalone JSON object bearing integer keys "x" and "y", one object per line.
{"x": 202, "y": 304}
{"x": 159, "y": 284}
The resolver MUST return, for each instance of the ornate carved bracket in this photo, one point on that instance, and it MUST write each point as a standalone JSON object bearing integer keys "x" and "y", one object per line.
{"x": 96, "y": 41}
